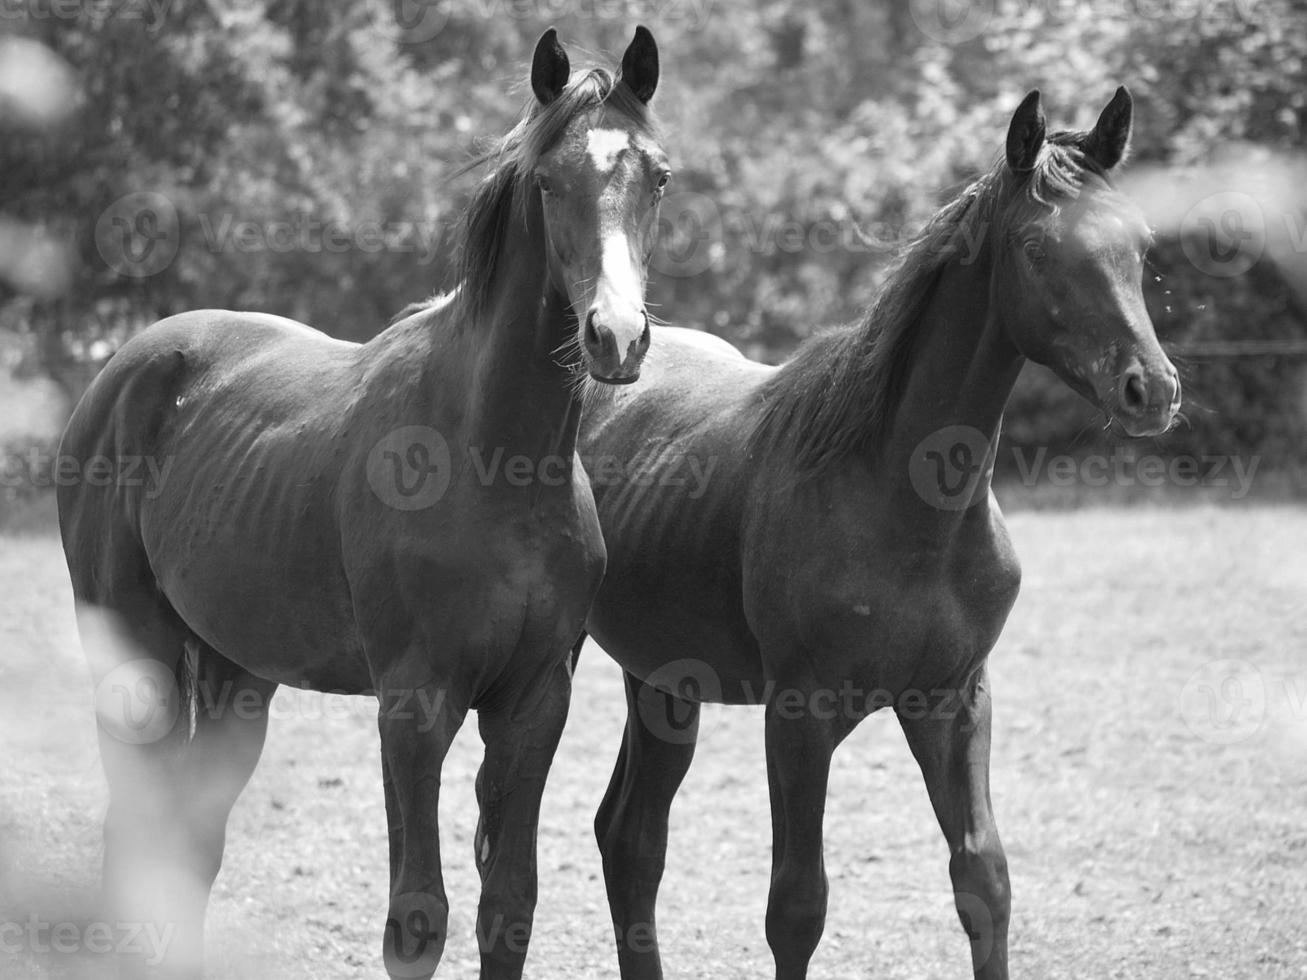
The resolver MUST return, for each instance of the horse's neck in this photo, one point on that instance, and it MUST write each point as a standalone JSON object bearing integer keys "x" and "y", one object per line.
{"x": 961, "y": 372}
{"x": 521, "y": 399}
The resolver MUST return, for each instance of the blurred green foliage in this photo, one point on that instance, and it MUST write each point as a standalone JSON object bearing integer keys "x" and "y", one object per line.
{"x": 809, "y": 140}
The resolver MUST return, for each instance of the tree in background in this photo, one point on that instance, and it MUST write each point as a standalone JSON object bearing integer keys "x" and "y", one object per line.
{"x": 300, "y": 158}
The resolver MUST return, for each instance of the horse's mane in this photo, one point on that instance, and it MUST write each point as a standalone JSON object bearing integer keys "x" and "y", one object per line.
{"x": 838, "y": 394}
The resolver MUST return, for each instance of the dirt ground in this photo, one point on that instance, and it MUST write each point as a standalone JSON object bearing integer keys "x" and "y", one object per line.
{"x": 1150, "y": 780}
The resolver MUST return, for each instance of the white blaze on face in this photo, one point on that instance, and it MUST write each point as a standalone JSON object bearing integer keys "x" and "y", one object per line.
{"x": 617, "y": 273}
{"x": 604, "y": 145}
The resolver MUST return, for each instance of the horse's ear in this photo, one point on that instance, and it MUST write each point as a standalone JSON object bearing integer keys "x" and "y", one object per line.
{"x": 549, "y": 68}
{"x": 640, "y": 65}
{"x": 1025, "y": 136}
{"x": 1110, "y": 138}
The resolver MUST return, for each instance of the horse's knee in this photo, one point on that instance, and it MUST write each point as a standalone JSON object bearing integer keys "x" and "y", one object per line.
{"x": 982, "y": 891}
{"x": 630, "y": 855}
{"x": 796, "y": 915}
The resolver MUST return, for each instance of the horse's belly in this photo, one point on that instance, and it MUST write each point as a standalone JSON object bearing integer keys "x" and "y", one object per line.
{"x": 257, "y": 576}
{"x": 293, "y": 626}
{"x": 657, "y": 626}
{"x": 701, "y": 661}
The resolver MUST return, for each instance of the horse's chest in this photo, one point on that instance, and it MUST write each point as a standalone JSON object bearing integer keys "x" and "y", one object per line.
{"x": 509, "y": 576}
{"x": 898, "y": 625}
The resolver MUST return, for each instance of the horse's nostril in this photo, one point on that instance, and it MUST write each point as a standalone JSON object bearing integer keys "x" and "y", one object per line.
{"x": 644, "y": 336}
{"x": 1134, "y": 396}
{"x": 592, "y": 332}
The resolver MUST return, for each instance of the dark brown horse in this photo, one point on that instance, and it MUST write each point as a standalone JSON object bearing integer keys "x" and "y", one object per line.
{"x": 402, "y": 518}
{"x": 847, "y": 553}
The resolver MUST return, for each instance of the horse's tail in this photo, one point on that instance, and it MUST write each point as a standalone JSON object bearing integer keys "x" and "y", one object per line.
{"x": 188, "y": 690}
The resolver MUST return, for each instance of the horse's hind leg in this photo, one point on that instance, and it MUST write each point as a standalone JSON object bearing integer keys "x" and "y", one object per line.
{"x": 134, "y": 646}
{"x": 952, "y": 747}
{"x": 231, "y": 723}
{"x": 521, "y": 734}
{"x": 170, "y": 790}
{"x": 631, "y": 825}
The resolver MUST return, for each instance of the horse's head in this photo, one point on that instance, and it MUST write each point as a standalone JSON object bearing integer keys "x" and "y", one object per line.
{"x": 600, "y": 180}
{"x": 1068, "y": 268}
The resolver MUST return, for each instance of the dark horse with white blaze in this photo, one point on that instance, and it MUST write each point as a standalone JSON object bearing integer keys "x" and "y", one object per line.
{"x": 847, "y": 553}
{"x": 325, "y": 524}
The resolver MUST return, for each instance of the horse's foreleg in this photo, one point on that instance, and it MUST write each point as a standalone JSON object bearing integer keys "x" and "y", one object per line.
{"x": 799, "y": 749}
{"x": 520, "y": 735}
{"x": 418, "y": 725}
{"x": 631, "y": 825}
{"x": 951, "y": 744}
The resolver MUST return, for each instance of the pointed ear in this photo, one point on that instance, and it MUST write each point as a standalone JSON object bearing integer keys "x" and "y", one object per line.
{"x": 1025, "y": 135}
{"x": 549, "y": 68}
{"x": 1110, "y": 138}
{"x": 640, "y": 65}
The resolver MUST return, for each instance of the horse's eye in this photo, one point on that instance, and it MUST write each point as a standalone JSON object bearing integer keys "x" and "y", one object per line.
{"x": 663, "y": 178}
{"x": 1034, "y": 250}
{"x": 543, "y": 183}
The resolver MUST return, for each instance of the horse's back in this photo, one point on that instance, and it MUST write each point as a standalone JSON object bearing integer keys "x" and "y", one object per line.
{"x": 686, "y": 374}
{"x": 155, "y": 367}
{"x": 126, "y": 409}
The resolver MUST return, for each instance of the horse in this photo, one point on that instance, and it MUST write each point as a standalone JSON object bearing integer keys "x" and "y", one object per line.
{"x": 845, "y": 552}
{"x": 332, "y": 518}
